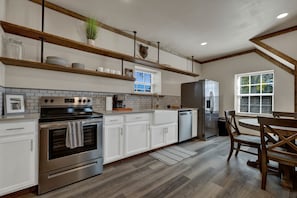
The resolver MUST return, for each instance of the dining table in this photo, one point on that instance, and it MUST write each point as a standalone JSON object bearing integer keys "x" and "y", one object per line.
{"x": 252, "y": 123}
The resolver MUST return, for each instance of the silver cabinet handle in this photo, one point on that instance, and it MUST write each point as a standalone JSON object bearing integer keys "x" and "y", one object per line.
{"x": 14, "y": 129}
{"x": 121, "y": 131}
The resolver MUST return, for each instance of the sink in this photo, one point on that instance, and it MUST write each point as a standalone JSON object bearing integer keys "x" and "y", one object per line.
{"x": 164, "y": 116}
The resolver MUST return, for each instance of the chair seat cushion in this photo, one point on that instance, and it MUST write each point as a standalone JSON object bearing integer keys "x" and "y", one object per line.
{"x": 248, "y": 139}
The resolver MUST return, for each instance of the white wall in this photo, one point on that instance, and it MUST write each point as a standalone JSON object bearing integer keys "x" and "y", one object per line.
{"x": 28, "y": 14}
{"x": 224, "y": 70}
{"x": 44, "y": 79}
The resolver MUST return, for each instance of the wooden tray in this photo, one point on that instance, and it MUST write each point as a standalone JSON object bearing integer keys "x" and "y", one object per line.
{"x": 122, "y": 109}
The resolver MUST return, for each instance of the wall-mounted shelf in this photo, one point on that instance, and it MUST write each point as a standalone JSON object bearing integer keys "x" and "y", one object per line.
{"x": 38, "y": 65}
{"x": 50, "y": 38}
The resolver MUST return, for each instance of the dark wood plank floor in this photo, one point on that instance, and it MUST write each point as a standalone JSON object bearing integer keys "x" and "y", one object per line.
{"x": 206, "y": 174}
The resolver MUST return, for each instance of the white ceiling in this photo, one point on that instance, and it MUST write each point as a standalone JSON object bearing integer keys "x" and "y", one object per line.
{"x": 181, "y": 25}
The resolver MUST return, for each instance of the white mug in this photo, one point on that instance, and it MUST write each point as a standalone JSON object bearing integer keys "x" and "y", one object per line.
{"x": 107, "y": 70}
{"x": 100, "y": 69}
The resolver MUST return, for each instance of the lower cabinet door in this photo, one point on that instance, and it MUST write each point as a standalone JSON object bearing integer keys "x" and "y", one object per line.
{"x": 17, "y": 163}
{"x": 171, "y": 134}
{"x": 157, "y": 136}
{"x": 136, "y": 138}
{"x": 113, "y": 143}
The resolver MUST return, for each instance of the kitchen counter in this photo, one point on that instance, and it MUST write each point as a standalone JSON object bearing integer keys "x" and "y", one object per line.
{"x": 127, "y": 112}
{"x": 142, "y": 111}
{"x": 29, "y": 116}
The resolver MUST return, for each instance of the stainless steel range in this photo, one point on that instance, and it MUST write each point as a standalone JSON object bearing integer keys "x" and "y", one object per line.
{"x": 70, "y": 142}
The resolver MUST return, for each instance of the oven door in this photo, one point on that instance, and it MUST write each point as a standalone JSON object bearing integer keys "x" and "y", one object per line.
{"x": 53, "y": 151}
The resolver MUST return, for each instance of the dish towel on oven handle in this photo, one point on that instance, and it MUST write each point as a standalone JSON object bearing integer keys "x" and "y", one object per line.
{"x": 74, "y": 135}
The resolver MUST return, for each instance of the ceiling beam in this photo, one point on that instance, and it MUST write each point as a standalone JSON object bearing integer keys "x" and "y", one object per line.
{"x": 276, "y": 62}
{"x": 277, "y": 33}
{"x": 228, "y": 56}
{"x": 258, "y": 41}
{"x": 274, "y": 51}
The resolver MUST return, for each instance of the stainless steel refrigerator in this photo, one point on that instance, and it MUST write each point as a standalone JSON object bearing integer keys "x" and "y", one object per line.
{"x": 204, "y": 95}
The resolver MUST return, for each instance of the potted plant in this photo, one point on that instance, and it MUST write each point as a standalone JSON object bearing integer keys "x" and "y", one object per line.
{"x": 91, "y": 30}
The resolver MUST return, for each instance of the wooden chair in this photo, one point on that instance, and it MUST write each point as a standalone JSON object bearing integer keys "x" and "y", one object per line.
{"x": 278, "y": 114}
{"x": 241, "y": 139}
{"x": 284, "y": 150}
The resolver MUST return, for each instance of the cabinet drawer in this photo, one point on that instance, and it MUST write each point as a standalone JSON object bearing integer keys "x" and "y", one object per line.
{"x": 113, "y": 119}
{"x": 17, "y": 127}
{"x": 137, "y": 117}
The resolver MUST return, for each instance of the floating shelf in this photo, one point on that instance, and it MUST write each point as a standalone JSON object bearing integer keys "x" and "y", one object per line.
{"x": 38, "y": 65}
{"x": 50, "y": 38}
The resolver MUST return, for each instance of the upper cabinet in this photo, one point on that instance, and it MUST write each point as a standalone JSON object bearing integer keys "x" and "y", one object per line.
{"x": 54, "y": 39}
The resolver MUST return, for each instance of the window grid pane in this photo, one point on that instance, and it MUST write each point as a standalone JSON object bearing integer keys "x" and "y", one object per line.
{"x": 143, "y": 82}
{"x": 256, "y": 93}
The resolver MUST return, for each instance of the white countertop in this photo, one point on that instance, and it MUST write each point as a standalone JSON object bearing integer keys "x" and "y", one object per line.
{"x": 35, "y": 116}
{"x": 28, "y": 116}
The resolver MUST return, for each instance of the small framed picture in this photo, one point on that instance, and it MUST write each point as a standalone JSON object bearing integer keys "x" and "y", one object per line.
{"x": 129, "y": 72}
{"x": 14, "y": 104}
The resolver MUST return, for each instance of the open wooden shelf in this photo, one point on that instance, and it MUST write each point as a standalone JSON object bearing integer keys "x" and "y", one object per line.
{"x": 50, "y": 38}
{"x": 38, "y": 65}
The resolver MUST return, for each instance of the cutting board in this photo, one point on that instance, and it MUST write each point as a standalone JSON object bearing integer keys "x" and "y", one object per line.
{"x": 122, "y": 109}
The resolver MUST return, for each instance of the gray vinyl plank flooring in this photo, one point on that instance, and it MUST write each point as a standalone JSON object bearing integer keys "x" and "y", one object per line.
{"x": 205, "y": 174}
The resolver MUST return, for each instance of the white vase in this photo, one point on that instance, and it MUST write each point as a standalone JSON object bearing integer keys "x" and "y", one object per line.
{"x": 91, "y": 42}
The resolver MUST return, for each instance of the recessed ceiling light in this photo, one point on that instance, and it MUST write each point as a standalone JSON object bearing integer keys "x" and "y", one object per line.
{"x": 283, "y": 15}
{"x": 204, "y": 43}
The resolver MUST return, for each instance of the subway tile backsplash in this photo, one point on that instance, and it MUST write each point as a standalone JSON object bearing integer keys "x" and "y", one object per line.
{"x": 137, "y": 102}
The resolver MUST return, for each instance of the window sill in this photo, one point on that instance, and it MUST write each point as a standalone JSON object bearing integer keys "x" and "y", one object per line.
{"x": 146, "y": 94}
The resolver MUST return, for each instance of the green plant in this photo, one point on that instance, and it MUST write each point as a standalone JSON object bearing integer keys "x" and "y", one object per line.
{"x": 91, "y": 28}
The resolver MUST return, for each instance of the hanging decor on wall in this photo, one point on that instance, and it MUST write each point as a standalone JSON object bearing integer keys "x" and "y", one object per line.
{"x": 143, "y": 51}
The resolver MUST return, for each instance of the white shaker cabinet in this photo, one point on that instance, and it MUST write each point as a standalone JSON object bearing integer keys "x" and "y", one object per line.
{"x": 125, "y": 135}
{"x": 18, "y": 155}
{"x": 164, "y": 128}
{"x": 171, "y": 135}
{"x": 137, "y": 133}
{"x": 162, "y": 135}
{"x": 113, "y": 138}
{"x": 194, "y": 123}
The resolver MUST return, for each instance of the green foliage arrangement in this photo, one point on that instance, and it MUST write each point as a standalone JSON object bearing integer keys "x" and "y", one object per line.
{"x": 91, "y": 28}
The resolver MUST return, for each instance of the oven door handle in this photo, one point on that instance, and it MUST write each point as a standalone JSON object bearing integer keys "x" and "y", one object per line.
{"x": 65, "y": 124}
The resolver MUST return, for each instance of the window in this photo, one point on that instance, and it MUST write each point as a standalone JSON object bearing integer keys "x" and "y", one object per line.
{"x": 254, "y": 92}
{"x": 143, "y": 82}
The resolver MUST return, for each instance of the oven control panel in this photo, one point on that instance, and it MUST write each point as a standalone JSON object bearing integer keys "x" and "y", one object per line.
{"x": 65, "y": 101}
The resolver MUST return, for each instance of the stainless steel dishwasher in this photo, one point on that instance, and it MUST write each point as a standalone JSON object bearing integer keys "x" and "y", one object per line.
{"x": 184, "y": 125}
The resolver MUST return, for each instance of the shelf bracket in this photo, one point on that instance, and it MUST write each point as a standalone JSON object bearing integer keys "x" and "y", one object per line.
{"x": 134, "y": 32}
{"x": 42, "y": 30}
{"x": 122, "y": 67}
{"x": 158, "y": 43}
{"x": 192, "y": 63}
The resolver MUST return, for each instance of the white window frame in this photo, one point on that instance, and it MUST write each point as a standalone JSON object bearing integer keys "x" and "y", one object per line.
{"x": 143, "y": 83}
{"x": 237, "y": 94}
